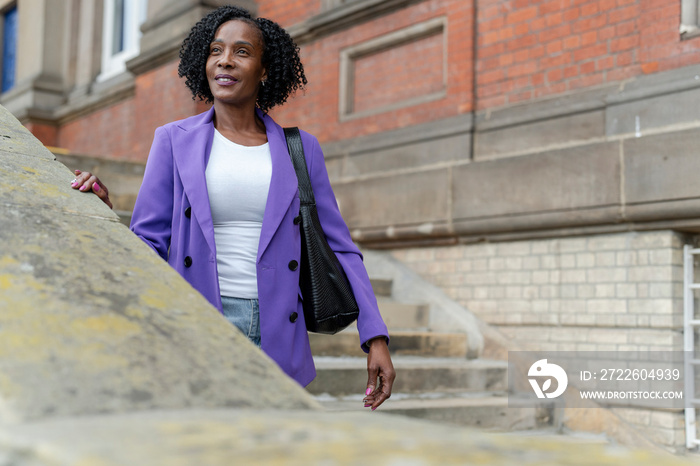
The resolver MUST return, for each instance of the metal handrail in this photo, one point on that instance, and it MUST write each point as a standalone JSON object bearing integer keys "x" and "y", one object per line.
{"x": 690, "y": 323}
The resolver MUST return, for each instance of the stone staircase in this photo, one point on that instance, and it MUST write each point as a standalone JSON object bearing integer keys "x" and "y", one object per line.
{"x": 435, "y": 380}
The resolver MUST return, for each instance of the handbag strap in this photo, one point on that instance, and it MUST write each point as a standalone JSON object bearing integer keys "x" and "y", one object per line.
{"x": 296, "y": 152}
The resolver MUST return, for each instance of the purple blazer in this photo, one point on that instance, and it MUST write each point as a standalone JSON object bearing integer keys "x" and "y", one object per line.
{"x": 172, "y": 215}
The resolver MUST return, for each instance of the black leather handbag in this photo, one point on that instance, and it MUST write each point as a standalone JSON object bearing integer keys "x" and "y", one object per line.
{"x": 328, "y": 302}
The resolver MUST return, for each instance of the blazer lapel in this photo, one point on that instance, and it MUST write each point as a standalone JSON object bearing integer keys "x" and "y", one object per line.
{"x": 283, "y": 184}
{"x": 191, "y": 146}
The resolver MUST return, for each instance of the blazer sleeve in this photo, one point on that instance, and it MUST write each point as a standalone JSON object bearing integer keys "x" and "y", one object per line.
{"x": 369, "y": 323}
{"x": 152, "y": 217}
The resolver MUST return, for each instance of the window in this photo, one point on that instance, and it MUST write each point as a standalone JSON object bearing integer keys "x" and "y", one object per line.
{"x": 690, "y": 18}
{"x": 120, "y": 34}
{"x": 9, "y": 48}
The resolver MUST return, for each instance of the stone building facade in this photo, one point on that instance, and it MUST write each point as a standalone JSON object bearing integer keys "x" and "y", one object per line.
{"x": 536, "y": 159}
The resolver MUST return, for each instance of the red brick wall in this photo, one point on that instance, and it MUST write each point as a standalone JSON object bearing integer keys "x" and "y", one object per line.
{"x": 288, "y": 12}
{"x": 528, "y": 49}
{"x": 316, "y": 110}
{"x": 660, "y": 48}
{"x": 399, "y": 73}
{"x": 533, "y": 48}
{"x": 125, "y": 130}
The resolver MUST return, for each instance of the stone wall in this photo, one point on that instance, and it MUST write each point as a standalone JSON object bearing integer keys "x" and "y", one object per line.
{"x": 618, "y": 292}
{"x": 660, "y": 426}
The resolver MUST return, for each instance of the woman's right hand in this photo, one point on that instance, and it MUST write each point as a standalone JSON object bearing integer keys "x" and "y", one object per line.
{"x": 86, "y": 182}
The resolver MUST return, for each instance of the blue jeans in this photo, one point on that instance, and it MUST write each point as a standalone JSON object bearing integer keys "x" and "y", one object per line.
{"x": 244, "y": 314}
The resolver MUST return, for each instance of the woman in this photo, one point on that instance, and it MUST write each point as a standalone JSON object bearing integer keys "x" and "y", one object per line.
{"x": 220, "y": 202}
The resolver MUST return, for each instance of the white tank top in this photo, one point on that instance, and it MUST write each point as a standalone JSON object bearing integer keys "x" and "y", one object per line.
{"x": 238, "y": 180}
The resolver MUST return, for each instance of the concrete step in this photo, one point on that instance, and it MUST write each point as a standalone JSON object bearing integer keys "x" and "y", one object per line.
{"x": 340, "y": 376}
{"x": 403, "y": 342}
{"x": 401, "y": 316}
{"x": 485, "y": 410}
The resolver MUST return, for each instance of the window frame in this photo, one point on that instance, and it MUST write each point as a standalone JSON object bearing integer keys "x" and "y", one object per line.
{"x": 12, "y": 8}
{"x": 134, "y": 17}
{"x": 690, "y": 19}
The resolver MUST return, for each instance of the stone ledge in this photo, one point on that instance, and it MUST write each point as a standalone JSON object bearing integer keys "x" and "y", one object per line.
{"x": 294, "y": 438}
{"x": 16, "y": 139}
{"x": 412, "y": 134}
{"x": 42, "y": 186}
{"x": 94, "y": 321}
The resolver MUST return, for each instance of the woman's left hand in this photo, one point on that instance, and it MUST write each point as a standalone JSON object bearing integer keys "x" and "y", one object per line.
{"x": 86, "y": 182}
{"x": 381, "y": 373}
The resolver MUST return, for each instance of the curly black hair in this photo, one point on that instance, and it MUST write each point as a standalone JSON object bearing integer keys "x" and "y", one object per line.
{"x": 285, "y": 73}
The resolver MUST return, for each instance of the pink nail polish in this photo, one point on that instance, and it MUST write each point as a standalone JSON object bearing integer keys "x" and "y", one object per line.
{"x": 369, "y": 390}
{"x": 82, "y": 188}
{"x": 373, "y": 408}
{"x": 367, "y": 405}
{"x": 95, "y": 187}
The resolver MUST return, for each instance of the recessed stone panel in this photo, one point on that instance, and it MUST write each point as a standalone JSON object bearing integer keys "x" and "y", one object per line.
{"x": 392, "y": 75}
{"x": 402, "y": 68}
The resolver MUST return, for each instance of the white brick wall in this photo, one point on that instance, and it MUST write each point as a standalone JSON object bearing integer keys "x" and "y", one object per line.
{"x": 618, "y": 292}
{"x": 606, "y": 292}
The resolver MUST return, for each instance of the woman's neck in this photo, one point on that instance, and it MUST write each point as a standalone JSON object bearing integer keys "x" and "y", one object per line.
{"x": 240, "y": 125}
